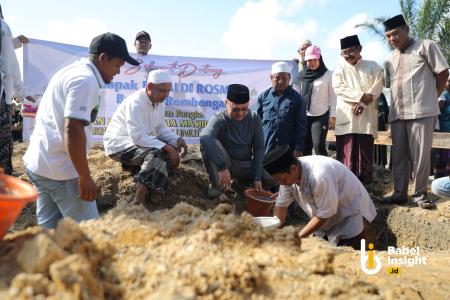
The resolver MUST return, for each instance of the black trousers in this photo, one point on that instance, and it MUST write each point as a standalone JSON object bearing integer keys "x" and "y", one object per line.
{"x": 316, "y": 136}
{"x": 6, "y": 140}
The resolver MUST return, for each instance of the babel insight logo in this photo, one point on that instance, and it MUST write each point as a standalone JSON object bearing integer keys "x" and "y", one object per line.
{"x": 404, "y": 256}
{"x": 370, "y": 262}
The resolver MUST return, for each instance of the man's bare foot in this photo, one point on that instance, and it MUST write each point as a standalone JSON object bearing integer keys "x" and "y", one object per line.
{"x": 141, "y": 194}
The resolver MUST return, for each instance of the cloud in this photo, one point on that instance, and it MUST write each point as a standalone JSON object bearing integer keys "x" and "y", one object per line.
{"x": 345, "y": 29}
{"x": 73, "y": 33}
{"x": 375, "y": 50}
{"x": 258, "y": 28}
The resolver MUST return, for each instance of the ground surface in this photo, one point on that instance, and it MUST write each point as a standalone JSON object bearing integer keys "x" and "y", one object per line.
{"x": 202, "y": 249}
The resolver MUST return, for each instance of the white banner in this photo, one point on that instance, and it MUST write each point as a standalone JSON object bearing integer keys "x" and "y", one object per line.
{"x": 198, "y": 91}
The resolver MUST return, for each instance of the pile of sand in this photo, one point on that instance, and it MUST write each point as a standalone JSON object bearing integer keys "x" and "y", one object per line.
{"x": 197, "y": 248}
{"x": 182, "y": 253}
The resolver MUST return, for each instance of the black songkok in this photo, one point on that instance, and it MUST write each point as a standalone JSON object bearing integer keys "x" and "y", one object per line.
{"x": 394, "y": 22}
{"x": 350, "y": 41}
{"x": 278, "y": 160}
{"x": 238, "y": 93}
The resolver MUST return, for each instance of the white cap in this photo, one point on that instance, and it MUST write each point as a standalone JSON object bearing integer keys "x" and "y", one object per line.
{"x": 159, "y": 76}
{"x": 305, "y": 42}
{"x": 280, "y": 67}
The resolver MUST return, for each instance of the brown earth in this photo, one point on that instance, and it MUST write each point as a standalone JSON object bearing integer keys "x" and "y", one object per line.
{"x": 185, "y": 252}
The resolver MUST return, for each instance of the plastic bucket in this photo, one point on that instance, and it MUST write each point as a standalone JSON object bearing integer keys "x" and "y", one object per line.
{"x": 14, "y": 194}
{"x": 268, "y": 222}
{"x": 259, "y": 203}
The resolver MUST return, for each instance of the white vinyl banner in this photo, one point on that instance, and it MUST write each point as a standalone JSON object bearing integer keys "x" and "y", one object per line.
{"x": 198, "y": 91}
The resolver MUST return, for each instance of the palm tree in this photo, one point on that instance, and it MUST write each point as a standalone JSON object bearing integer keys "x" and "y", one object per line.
{"x": 427, "y": 19}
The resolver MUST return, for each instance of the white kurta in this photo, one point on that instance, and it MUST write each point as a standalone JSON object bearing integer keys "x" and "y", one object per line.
{"x": 136, "y": 122}
{"x": 350, "y": 82}
{"x": 328, "y": 189}
{"x": 9, "y": 67}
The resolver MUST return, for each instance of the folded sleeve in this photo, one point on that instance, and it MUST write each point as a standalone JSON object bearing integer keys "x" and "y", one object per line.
{"x": 82, "y": 95}
{"x": 285, "y": 196}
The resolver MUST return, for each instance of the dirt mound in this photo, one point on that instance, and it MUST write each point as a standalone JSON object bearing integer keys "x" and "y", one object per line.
{"x": 196, "y": 248}
{"x": 182, "y": 253}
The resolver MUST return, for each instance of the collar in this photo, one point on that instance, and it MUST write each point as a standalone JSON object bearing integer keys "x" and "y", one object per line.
{"x": 94, "y": 69}
{"x": 286, "y": 92}
{"x": 411, "y": 42}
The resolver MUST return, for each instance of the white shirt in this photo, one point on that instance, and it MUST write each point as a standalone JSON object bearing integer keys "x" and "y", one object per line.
{"x": 330, "y": 190}
{"x": 323, "y": 97}
{"x": 136, "y": 122}
{"x": 9, "y": 67}
{"x": 350, "y": 82}
{"x": 73, "y": 92}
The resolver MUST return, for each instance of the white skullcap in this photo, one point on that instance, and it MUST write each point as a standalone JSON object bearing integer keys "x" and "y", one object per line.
{"x": 280, "y": 67}
{"x": 305, "y": 42}
{"x": 159, "y": 76}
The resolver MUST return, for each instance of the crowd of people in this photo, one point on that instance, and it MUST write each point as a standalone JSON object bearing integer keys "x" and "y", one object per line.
{"x": 267, "y": 149}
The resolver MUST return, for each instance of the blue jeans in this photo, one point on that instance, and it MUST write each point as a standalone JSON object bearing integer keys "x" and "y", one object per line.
{"x": 441, "y": 187}
{"x": 58, "y": 199}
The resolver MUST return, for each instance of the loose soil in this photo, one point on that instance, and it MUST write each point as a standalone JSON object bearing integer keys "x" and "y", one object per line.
{"x": 189, "y": 247}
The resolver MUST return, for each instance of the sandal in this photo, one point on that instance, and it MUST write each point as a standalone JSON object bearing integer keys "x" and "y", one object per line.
{"x": 425, "y": 204}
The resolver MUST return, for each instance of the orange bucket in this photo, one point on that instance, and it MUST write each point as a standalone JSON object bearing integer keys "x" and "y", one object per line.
{"x": 259, "y": 203}
{"x": 14, "y": 194}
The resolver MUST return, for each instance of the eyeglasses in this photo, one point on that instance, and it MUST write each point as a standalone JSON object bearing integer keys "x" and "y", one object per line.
{"x": 238, "y": 110}
{"x": 143, "y": 41}
{"x": 349, "y": 52}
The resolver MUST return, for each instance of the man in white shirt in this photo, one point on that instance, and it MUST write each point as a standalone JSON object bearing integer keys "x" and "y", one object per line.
{"x": 357, "y": 83}
{"x": 56, "y": 159}
{"x": 129, "y": 140}
{"x": 326, "y": 190}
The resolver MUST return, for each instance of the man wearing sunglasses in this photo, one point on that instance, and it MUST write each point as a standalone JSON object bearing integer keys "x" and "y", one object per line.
{"x": 232, "y": 145}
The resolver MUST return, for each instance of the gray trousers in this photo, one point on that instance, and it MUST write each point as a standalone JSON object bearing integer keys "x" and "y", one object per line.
{"x": 241, "y": 170}
{"x": 411, "y": 142}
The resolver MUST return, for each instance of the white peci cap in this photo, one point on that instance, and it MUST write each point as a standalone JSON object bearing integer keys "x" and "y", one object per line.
{"x": 159, "y": 76}
{"x": 280, "y": 67}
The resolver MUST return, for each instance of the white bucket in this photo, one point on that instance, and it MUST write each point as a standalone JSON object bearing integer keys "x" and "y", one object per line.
{"x": 268, "y": 222}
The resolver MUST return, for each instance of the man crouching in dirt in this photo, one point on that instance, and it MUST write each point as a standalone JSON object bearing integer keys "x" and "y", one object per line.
{"x": 327, "y": 191}
{"x": 232, "y": 145}
{"x": 128, "y": 137}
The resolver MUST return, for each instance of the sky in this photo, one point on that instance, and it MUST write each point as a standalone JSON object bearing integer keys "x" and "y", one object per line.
{"x": 255, "y": 29}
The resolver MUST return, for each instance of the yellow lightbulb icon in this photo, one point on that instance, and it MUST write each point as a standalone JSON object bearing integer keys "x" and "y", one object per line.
{"x": 371, "y": 261}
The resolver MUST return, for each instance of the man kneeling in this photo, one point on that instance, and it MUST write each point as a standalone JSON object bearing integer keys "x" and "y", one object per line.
{"x": 326, "y": 190}
{"x": 232, "y": 145}
{"x": 128, "y": 137}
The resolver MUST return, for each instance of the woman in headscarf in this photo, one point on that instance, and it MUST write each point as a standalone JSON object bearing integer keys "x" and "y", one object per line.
{"x": 318, "y": 94}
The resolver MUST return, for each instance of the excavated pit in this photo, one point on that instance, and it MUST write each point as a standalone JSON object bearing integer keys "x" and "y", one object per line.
{"x": 190, "y": 247}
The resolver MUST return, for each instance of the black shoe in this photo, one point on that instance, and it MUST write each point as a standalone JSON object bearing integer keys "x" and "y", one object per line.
{"x": 394, "y": 199}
